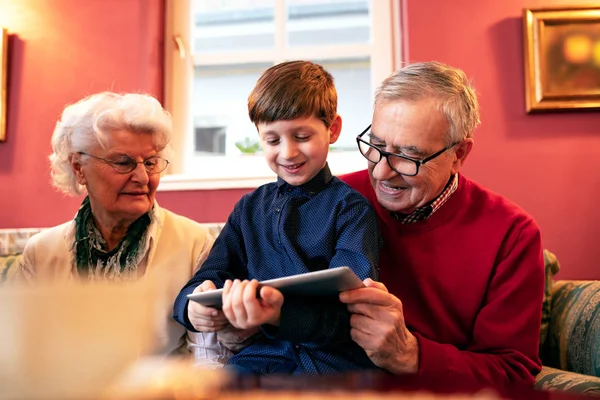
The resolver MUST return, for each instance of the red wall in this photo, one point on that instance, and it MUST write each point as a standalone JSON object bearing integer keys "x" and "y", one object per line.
{"x": 61, "y": 51}
{"x": 548, "y": 164}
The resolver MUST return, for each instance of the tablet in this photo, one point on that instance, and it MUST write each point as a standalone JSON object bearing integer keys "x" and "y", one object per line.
{"x": 319, "y": 283}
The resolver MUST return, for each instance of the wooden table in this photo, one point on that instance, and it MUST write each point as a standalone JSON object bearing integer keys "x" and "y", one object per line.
{"x": 179, "y": 380}
{"x": 375, "y": 385}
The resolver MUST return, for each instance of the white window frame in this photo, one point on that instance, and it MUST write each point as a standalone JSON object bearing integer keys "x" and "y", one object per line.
{"x": 385, "y": 56}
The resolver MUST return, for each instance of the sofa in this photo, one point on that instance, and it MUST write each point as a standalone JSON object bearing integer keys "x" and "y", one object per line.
{"x": 570, "y": 334}
{"x": 8, "y": 267}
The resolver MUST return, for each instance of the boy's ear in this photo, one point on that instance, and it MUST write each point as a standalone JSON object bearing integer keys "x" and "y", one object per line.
{"x": 335, "y": 129}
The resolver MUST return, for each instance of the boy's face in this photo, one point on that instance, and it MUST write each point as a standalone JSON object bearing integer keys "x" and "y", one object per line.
{"x": 296, "y": 150}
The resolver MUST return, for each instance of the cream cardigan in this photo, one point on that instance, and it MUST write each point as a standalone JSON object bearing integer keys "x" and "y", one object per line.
{"x": 177, "y": 247}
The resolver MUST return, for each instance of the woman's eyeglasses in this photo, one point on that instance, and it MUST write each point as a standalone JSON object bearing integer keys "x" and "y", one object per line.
{"x": 125, "y": 164}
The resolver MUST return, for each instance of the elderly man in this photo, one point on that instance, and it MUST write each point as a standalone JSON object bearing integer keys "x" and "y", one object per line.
{"x": 461, "y": 270}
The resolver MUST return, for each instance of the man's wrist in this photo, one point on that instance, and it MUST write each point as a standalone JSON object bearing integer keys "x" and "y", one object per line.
{"x": 407, "y": 361}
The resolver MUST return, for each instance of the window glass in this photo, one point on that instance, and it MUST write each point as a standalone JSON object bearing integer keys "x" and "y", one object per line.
{"x": 352, "y": 81}
{"x": 220, "y": 108}
{"x": 327, "y": 22}
{"x": 217, "y": 49}
{"x": 232, "y": 25}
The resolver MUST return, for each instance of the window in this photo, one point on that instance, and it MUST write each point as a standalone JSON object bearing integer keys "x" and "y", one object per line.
{"x": 215, "y": 52}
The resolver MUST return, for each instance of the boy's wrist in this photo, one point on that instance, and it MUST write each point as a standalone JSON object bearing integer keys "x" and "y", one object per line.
{"x": 276, "y": 320}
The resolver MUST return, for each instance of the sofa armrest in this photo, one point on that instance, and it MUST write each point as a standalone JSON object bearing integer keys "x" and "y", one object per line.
{"x": 574, "y": 330}
{"x": 564, "y": 381}
{"x": 9, "y": 265}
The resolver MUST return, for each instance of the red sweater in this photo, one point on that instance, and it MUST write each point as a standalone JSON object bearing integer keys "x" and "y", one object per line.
{"x": 471, "y": 281}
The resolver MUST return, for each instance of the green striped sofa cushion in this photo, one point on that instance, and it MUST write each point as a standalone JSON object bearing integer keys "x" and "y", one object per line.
{"x": 564, "y": 381}
{"x": 552, "y": 266}
{"x": 8, "y": 267}
{"x": 573, "y": 341}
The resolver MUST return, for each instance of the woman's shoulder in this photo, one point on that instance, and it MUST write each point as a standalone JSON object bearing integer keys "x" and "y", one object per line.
{"x": 47, "y": 254}
{"x": 176, "y": 225}
{"x": 179, "y": 236}
{"x": 52, "y": 238}
{"x": 174, "y": 217}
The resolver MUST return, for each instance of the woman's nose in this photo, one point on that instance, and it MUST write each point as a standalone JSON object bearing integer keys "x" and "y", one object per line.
{"x": 140, "y": 174}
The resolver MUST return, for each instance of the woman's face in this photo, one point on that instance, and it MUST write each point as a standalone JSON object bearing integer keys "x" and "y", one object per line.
{"x": 114, "y": 196}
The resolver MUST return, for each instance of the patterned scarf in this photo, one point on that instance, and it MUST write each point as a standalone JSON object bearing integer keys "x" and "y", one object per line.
{"x": 91, "y": 256}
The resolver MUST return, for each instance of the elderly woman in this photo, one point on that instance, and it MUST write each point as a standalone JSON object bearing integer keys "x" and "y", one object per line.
{"x": 111, "y": 147}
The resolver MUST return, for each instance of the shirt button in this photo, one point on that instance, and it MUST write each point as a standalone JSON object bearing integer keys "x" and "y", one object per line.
{"x": 297, "y": 346}
{"x": 277, "y": 209}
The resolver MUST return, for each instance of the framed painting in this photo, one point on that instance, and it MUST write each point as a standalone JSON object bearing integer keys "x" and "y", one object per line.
{"x": 562, "y": 58}
{"x": 3, "y": 82}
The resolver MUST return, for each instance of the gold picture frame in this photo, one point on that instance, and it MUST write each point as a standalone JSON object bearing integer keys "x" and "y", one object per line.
{"x": 3, "y": 82}
{"x": 562, "y": 58}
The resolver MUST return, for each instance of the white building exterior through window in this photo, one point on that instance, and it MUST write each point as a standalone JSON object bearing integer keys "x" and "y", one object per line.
{"x": 217, "y": 49}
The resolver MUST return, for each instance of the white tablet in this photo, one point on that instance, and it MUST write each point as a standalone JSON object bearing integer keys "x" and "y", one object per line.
{"x": 318, "y": 283}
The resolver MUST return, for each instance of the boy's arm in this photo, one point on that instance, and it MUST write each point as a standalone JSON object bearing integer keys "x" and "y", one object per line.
{"x": 226, "y": 260}
{"x": 308, "y": 319}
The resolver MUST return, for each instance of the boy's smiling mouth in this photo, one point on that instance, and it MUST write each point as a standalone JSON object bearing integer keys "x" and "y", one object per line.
{"x": 292, "y": 167}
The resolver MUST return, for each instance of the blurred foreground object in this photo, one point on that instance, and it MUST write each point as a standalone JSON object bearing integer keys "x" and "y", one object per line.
{"x": 366, "y": 395}
{"x": 168, "y": 378}
{"x": 72, "y": 340}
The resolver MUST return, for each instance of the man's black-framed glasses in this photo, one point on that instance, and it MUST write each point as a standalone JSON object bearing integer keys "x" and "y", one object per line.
{"x": 124, "y": 164}
{"x": 400, "y": 164}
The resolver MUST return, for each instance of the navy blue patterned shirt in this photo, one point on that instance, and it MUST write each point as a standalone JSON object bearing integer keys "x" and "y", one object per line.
{"x": 280, "y": 230}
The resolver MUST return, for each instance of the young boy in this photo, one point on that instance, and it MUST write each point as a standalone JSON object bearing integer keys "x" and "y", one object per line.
{"x": 306, "y": 221}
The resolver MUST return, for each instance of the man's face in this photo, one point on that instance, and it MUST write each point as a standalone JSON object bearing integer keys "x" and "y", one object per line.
{"x": 416, "y": 130}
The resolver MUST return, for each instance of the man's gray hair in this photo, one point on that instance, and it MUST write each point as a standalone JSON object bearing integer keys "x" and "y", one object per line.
{"x": 85, "y": 124}
{"x": 455, "y": 95}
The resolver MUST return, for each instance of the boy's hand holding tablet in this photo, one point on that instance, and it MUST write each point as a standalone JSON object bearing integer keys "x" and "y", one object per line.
{"x": 203, "y": 317}
{"x": 247, "y": 304}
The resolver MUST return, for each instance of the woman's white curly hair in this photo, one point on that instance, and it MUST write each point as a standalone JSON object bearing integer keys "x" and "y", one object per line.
{"x": 85, "y": 124}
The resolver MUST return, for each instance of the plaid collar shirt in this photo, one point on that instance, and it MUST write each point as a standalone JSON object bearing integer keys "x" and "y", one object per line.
{"x": 422, "y": 213}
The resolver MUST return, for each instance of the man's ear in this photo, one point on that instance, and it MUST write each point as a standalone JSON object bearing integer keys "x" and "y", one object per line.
{"x": 76, "y": 165}
{"x": 335, "y": 129}
{"x": 462, "y": 151}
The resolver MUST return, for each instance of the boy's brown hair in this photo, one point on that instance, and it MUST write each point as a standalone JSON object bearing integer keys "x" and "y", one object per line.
{"x": 293, "y": 89}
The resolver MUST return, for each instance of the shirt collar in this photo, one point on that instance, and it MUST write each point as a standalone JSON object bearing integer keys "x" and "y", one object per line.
{"x": 312, "y": 187}
{"x": 422, "y": 213}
